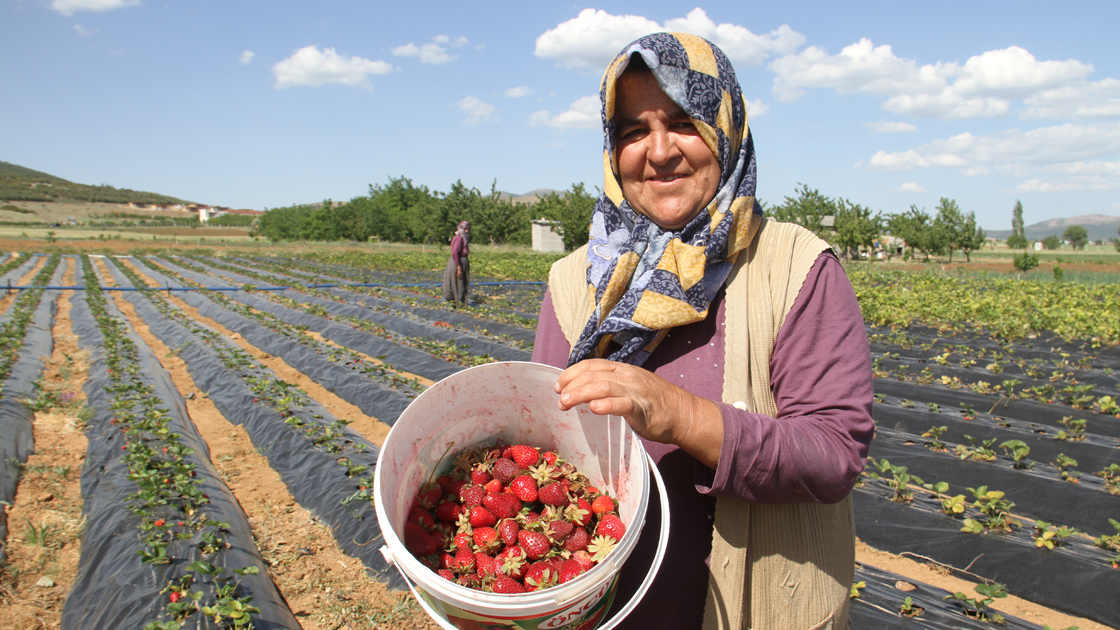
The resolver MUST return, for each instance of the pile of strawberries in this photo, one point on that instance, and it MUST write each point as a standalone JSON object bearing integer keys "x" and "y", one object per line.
{"x": 511, "y": 519}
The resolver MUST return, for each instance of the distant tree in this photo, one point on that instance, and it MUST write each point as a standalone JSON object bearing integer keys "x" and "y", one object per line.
{"x": 969, "y": 244}
{"x": 957, "y": 229}
{"x": 855, "y": 227}
{"x": 1018, "y": 241}
{"x": 1017, "y": 221}
{"x": 1051, "y": 242}
{"x": 1025, "y": 261}
{"x": 916, "y": 229}
{"x": 808, "y": 209}
{"x": 1077, "y": 236}
{"x": 1116, "y": 241}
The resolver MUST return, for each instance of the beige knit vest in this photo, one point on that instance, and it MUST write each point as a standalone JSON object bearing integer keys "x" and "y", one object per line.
{"x": 773, "y": 567}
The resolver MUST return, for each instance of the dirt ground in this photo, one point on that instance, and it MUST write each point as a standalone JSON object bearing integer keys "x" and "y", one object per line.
{"x": 325, "y": 588}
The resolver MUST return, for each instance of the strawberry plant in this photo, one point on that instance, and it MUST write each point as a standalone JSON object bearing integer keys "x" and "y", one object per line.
{"x": 1048, "y": 536}
{"x": 1111, "y": 476}
{"x": 994, "y": 507}
{"x": 934, "y": 434}
{"x": 1076, "y": 429}
{"x": 909, "y": 608}
{"x": 1018, "y": 450}
{"x": 981, "y": 452}
{"x": 899, "y": 479}
{"x": 1064, "y": 463}
{"x": 978, "y": 608}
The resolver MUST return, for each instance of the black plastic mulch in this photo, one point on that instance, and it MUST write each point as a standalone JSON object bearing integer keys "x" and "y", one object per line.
{"x": 398, "y": 357}
{"x": 17, "y": 440}
{"x": 411, "y": 321}
{"x": 312, "y": 475}
{"x": 880, "y": 603}
{"x": 373, "y": 398}
{"x": 113, "y": 589}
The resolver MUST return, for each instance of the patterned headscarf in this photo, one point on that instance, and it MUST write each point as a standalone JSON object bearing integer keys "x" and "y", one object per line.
{"x": 462, "y": 230}
{"x": 646, "y": 279}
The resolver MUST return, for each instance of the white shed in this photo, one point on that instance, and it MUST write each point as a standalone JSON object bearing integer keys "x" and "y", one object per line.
{"x": 546, "y": 237}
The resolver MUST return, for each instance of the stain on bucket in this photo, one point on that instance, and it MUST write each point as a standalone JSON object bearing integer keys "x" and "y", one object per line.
{"x": 514, "y": 402}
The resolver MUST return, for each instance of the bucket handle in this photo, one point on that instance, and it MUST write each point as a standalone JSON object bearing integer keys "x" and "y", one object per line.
{"x": 662, "y": 545}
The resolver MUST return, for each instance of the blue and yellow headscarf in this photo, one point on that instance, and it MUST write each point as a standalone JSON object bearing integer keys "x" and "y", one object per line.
{"x": 645, "y": 279}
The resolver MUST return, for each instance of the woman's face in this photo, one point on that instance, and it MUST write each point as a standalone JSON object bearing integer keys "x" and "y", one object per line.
{"x": 668, "y": 172}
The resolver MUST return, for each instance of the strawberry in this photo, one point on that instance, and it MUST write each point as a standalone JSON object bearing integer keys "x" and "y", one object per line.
{"x": 540, "y": 575}
{"x": 507, "y": 530}
{"x": 429, "y": 495}
{"x": 505, "y": 470}
{"x": 507, "y": 585}
{"x": 446, "y": 561}
{"x": 610, "y": 525}
{"x": 471, "y": 495}
{"x": 579, "y": 513}
{"x": 535, "y": 544}
{"x": 484, "y": 562}
{"x": 469, "y": 580}
{"x": 559, "y": 530}
{"x": 602, "y": 505}
{"x": 418, "y": 541}
{"x": 570, "y": 570}
{"x": 464, "y": 561}
{"x": 446, "y": 574}
{"x": 449, "y": 511}
{"x": 524, "y": 487}
{"x": 550, "y": 457}
{"x": 524, "y": 455}
{"x": 421, "y": 516}
{"x": 502, "y": 504}
{"x": 511, "y": 561}
{"x": 481, "y": 517}
{"x": 174, "y": 597}
{"x": 450, "y": 485}
{"x": 493, "y": 486}
{"x": 577, "y": 540}
{"x": 480, "y": 474}
{"x": 462, "y": 540}
{"x": 553, "y": 494}
{"x": 485, "y": 538}
{"x": 600, "y": 546}
{"x": 584, "y": 559}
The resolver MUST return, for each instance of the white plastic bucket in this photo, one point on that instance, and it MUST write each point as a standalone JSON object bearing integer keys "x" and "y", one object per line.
{"x": 515, "y": 402}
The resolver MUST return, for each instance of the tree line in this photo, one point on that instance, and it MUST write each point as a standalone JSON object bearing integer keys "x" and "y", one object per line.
{"x": 404, "y": 212}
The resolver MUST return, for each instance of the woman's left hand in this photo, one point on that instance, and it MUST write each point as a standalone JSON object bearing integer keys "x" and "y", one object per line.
{"x": 656, "y": 409}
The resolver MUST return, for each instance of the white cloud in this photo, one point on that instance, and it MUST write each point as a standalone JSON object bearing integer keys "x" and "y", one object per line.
{"x": 246, "y": 57}
{"x": 519, "y": 91}
{"x": 883, "y": 126}
{"x": 590, "y": 40}
{"x": 1083, "y": 100}
{"x": 314, "y": 67}
{"x": 756, "y": 108}
{"x": 982, "y": 87}
{"x": 1067, "y": 157}
{"x": 910, "y": 187}
{"x": 583, "y": 113}
{"x": 433, "y": 52}
{"x": 1015, "y": 73}
{"x": 83, "y": 31}
{"x": 477, "y": 110}
{"x": 70, "y": 7}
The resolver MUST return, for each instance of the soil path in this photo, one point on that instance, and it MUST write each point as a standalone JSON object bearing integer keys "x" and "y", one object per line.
{"x": 45, "y": 522}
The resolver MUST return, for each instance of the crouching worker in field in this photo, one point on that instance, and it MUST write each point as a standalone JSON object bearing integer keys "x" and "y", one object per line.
{"x": 456, "y": 275}
{"x": 733, "y": 345}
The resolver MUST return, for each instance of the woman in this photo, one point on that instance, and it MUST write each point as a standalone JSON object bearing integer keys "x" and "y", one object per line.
{"x": 733, "y": 346}
{"x": 458, "y": 271}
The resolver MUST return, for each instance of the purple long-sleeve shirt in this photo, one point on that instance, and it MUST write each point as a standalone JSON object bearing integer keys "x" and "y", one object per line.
{"x": 812, "y": 452}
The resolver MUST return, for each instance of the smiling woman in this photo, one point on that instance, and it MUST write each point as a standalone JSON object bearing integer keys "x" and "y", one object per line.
{"x": 732, "y": 345}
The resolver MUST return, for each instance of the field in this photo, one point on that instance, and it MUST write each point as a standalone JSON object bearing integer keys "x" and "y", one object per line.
{"x": 161, "y": 441}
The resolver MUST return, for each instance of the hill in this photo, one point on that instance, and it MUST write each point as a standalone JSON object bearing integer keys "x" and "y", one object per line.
{"x": 18, "y": 183}
{"x": 1099, "y": 226}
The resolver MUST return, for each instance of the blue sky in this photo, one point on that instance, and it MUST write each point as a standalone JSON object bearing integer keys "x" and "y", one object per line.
{"x": 260, "y": 104}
